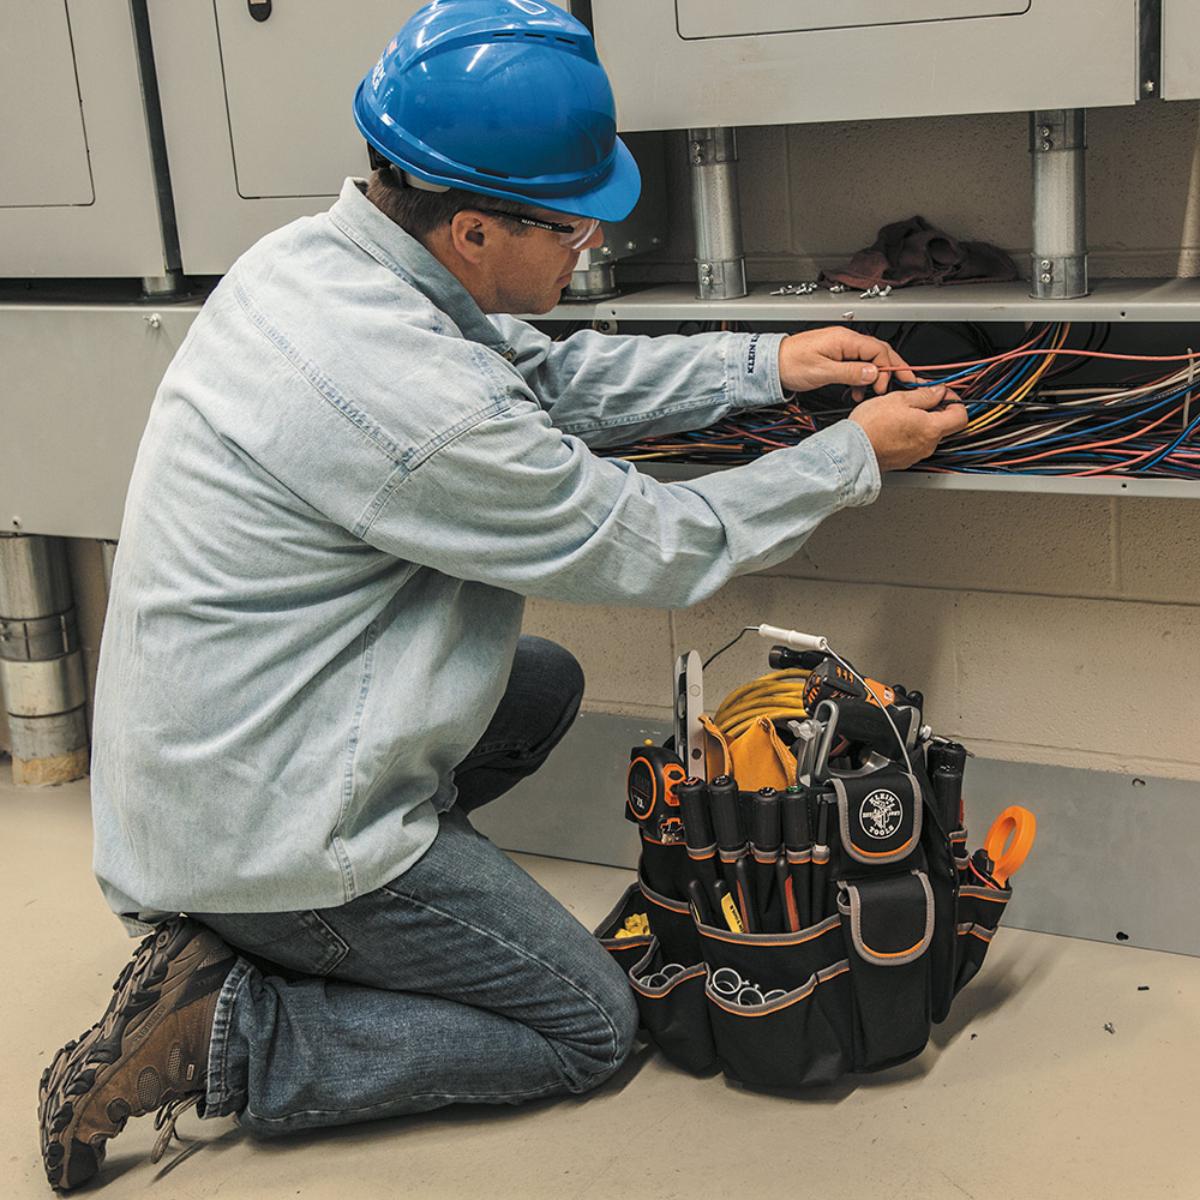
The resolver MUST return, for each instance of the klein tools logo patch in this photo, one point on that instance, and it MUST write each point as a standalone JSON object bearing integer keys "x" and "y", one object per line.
{"x": 880, "y": 814}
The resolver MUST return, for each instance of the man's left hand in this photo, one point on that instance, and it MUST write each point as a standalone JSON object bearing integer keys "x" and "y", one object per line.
{"x": 820, "y": 357}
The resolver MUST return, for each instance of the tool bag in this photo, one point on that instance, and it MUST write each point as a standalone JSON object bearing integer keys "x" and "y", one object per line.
{"x": 901, "y": 921}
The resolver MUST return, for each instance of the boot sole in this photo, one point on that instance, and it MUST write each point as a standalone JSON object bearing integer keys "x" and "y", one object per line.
{"x": 82, "y": 1065}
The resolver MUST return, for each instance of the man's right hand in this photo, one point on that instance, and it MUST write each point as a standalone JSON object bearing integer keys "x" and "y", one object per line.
{"x": 901, "y": 427}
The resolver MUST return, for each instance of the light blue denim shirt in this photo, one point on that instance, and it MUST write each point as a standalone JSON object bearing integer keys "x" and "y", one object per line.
{"x": 349, "y": 481}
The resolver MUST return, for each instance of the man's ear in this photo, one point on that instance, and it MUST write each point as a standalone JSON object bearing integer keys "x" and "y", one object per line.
{"x": 468, "y": 235}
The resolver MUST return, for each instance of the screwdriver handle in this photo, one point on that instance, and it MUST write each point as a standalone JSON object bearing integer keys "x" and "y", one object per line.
{"x": 723, "y": 803}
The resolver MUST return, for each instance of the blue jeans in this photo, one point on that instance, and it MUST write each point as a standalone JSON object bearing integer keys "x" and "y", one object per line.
{"x": 460, "y": 980}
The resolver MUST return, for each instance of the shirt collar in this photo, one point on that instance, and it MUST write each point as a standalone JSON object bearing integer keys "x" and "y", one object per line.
{"x": 400, "y": 252}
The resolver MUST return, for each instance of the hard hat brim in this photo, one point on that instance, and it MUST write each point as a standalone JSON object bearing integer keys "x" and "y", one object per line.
{"x": 613, "y": 200}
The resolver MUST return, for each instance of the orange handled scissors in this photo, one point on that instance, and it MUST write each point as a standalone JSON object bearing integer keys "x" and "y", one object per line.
{"x": 1009, "y": 842}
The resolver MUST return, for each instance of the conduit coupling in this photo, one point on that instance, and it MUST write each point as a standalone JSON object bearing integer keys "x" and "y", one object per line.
{"x": 720, "y": 266}
{"x": 41, "y": 671}
{"x": 1058, "y": 147}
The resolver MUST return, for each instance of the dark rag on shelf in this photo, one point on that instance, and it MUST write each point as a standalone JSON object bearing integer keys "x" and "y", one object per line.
{"x": 913, "y": 251}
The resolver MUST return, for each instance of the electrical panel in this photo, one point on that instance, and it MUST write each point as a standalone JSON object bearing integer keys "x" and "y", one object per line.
{"x": 77, "y": 184}
{"x": 256, "y": 103}
{"x": 1180, "y": 50}
{"x": 686, "y": 63}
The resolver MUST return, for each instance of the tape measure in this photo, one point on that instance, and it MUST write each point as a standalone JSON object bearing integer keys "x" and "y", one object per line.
{"x": 654, "y": 774}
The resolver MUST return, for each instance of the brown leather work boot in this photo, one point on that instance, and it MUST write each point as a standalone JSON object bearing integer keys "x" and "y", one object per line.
{"x": 150, "y": 1049}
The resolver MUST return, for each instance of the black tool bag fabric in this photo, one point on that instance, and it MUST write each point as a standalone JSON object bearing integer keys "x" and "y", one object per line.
{"x": 856, "y": 991}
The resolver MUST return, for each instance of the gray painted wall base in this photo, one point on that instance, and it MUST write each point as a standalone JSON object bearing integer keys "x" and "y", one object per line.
{"x": 1115, "y": 856}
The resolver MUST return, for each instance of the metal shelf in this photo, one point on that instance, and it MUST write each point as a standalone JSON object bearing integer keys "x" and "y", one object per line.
{"x": 1112, "y": 300}
{"x": 1096, "y": 485}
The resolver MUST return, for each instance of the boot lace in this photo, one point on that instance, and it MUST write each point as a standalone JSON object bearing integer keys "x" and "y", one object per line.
{"x": 164, "y": 1120}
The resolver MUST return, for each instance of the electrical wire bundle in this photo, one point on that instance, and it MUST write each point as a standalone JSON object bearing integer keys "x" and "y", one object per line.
{"x": 1023, "y": 419}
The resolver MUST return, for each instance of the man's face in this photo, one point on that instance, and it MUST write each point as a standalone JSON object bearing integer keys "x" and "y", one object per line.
{"x": 531, "y": 266}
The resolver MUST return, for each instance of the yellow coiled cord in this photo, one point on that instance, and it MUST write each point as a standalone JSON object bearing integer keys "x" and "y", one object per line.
{"x": 777, "y": 695}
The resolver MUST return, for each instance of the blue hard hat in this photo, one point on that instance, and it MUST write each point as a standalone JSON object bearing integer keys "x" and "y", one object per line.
{"x": 502, "y": 97}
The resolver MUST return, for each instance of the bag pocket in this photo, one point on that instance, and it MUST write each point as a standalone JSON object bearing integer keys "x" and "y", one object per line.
{"x": 627, "y": 948}
{"x": 665, "y": 868}
{"x": 671, "y": 922}
{"x": 888, "y": 925}
{"x": 671, "y": 1004}
{"x": 945, "y": 858}
{"x": 775, "y": 1004}
{"x": 979, "y": 913}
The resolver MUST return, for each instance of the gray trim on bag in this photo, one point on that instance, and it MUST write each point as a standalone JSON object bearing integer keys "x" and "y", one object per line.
{"x": 877, "y": 957}
{"x": 843, "y": 801}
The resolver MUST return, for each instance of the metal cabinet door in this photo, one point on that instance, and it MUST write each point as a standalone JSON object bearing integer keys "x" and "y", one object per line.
{"x": 679, "y": 63}
{"x": 77, "y": 189}
{"x": 257, "y": 114}
{"x": 1180, "y": 50}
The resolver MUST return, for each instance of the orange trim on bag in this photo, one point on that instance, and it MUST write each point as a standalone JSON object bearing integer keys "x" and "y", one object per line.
{"x": 891, "y": 953}
{"x": 756, "y": 942}
{"x": 884, "y": 853}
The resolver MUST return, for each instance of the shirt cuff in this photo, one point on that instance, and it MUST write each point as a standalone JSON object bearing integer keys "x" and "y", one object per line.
{"x": 848, "y": 447}
{"x": 752, "y": 369}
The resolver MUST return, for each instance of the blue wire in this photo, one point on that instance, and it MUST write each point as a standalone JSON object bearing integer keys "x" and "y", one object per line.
{"x": 1183, "y": 437}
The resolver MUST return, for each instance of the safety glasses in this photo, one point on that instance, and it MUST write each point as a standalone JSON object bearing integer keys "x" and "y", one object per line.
{"x": 574, "y": 236}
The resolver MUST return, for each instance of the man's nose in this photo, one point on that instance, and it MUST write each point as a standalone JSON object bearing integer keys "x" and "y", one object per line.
{"x": 596, "y": 240}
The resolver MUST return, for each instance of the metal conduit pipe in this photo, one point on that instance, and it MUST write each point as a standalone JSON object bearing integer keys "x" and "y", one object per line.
{"x": 1058, "y": 146}
{"x": 720, "y": 264}
{"x": 154, "y": 286}
{"x": 41, "y": 671}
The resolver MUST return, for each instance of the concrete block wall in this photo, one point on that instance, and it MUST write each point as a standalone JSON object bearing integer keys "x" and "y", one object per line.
{"x": 1053, "y": 629}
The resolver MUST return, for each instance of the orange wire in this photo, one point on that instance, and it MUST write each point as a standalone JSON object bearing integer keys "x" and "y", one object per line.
{"x": 1074, "y": 353}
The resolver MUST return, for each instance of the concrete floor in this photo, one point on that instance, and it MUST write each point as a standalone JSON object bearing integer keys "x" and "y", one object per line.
{"x": 1022, "y": 1093}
